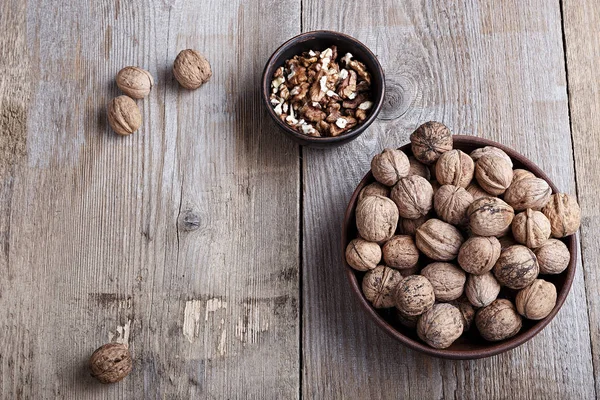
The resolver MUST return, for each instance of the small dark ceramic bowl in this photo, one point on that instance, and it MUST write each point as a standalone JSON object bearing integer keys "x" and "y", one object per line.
{"x": 471, "y": 345}
{"x": 319, "y": 40}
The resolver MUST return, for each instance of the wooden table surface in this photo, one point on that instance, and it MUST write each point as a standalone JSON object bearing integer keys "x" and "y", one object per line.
{"x": 94, "y": 239}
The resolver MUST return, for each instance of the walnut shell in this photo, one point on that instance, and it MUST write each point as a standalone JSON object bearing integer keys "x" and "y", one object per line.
{"x": 498, "y": 321}
{"x": 135, "y": 82}
{"x": 490, "y": 150}
{"x": 447, "y": 279}
{"x": 482, "y": 289}
{"x": 531, "y": 228}
{"x": 451, "y": 204}
{"x": 376, "y": 218}
{"x": 454, "y": 168}
{"x": 564, "y": 214}
{"x": 124, "y": 116}
{"x": 440, "y": 326}
{"x": 418, "y": 168}
{"x": 414, "y": 295}
{"x": 490, "y": 216}
{"x": 553, "y": 257}
{"x": 191, "y": 69}
{"x": 494, "y": 174}
{"x": 479, "y": 254}
{"x": 526, "y": 193}
{"x": 363, "y": 255}
{"x": 374, "y": 188}
{"x": 537, "y": 300}
{"x": 429, "y": 141}
{"x": 389, "y": 166}
{"x": 519, "y": 174}
{"x": 409, "y": 226}
{"x": 413, "y": 195}
{"x": 517, "y": 267}
{"x": 476, "y": 191}
{"x": 379, "y": 286}
{"x": 111, "y": 363}
{"x": 467, "y": 311}
{"x": 400, "y": 252}
{"x": 438, "y": 240}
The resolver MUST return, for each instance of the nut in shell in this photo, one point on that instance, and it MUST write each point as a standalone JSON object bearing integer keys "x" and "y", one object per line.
{"x": 191, "y": 69}
{"x": 490, "y": 150}
{"x": 376, "y": 218}
{"x": 476, "y": 191}
{"x": 135, "y": 82}
{"x": 429, "y": 141}
{"x": 414, "y": 295}
{"x": 439, "y": 240}
{"x": 467, "y": 311}
{"x": 374, "y": 188}
{"x": 440, "y": 326}
{"x": 498, "y": 321}
{"x": 490, "y": 216}
{"x": 517, "y": 267}
{"x": 418, "y": 168}
{"x": 414, "y": 196}
{"x": 454, "y": 167}
{"x": 531, "y": 228}
{"x": 451, "y": 204}
{"x": 379, "y": 286}
{"x": 537, "y": 300}
{"x": 363, "y": 255}
{"x": 494, "y": 174}
{"x": 526, "y": 193}
{"x": 481, "y": 290}
{"x": 400, "y": 252}
{"x": 389, "y": 166}
{"x": 447, "y": 279}
{"x": 519, "y": 174}
{"x": 479, "y": 254}
{"x": 564, "y": 214}
{"x": 124, "y": 116}
{"x": 553, "y": 257}
{"x": 111, "y": 363}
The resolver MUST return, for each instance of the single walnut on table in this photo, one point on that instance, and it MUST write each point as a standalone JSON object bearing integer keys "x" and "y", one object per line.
{"x": 111, "y": 363}
{"x": 191, "y": 69}
{"x": 135, "y": 82}
{"x": 124, "y": 116}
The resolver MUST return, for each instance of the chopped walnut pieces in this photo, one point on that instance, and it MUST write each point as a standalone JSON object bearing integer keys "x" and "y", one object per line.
{"x": 318, "y": 94}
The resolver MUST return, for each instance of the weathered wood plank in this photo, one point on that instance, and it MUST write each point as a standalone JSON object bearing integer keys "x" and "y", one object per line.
{"x": 93, "y": 225}
{"x": 495, "y": 71}
{"x": 581, "y": 21}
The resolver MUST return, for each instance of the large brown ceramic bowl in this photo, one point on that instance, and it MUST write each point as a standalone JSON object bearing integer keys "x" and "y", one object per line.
{"x": 471, "y": 345}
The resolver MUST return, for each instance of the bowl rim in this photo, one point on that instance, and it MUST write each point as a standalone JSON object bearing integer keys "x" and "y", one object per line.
{"x": 352, "y": 133}
{"x": 495, "y": 347}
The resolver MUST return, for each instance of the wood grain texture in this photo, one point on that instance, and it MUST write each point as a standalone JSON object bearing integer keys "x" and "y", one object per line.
{"x": 495, "y": 71}
{"x": 582, "y": 41}
{"x": 95, "y": 228}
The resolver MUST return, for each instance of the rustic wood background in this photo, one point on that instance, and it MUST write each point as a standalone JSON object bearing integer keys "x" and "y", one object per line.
{"x": 94, "y": 229}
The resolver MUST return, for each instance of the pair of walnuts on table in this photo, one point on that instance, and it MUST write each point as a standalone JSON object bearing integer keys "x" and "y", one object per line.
{"x": 406, "y": 220}
{"x": 191, "y": 69}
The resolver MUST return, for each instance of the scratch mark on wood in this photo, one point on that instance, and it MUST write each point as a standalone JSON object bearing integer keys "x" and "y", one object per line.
{"x": 222, "y": 349}
{"x": 213, "y": 305}
{"x": 191, "y": 318}
{"x": 122, "y": 334}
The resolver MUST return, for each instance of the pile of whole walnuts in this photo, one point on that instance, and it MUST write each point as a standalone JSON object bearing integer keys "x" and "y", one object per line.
{"x": 318, "y": 95}
{"x": 484, "y": 233}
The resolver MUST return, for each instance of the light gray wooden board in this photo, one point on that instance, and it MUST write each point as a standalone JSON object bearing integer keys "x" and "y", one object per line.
{"x": 582, "y": 39}
{"x": 495, "y": 71}
{"x": 92, "y": 247}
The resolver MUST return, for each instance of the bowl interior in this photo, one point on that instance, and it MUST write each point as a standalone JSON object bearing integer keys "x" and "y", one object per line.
{"x": 471, "y": 345}
{"x": 320, "y": 40}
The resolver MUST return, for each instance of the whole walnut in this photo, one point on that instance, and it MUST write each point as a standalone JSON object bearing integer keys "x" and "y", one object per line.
{"x": 379, "y": 286}
{"x": 363, "y": 255}
{"x": 429, "y": 141}
{"x": 479, "y": 254}
{"x": 494, "y": 174}
{"x": 467, "y": 311}
{"x": 490, "y": 150}
{"x": 447, "y": 279}
{"x": 519, "y": 174}
{"x": 531, "y": 228}
{"x": 498, "y": 321}
{"x": 454, "y": 168}
{"x": 537, "y": 300}
{"x": 451, "y": 204}
{"x": 440, "y": 326}
{"x": 517, "y": 267}
{"x": 553, "y": 257}
{"x": 418, "y": 168}
{"x": 135, "y": 82}
{"x": 124, "y": 116}
{"x": 482, "y": 289}
{"x": 490, "y": 216}
{"x": 376, "y": 218}
{"x": 526, "y": 193}
{"x": 400, "y": 252}
{"x": 409, "y": 226}
{"x": 191, "y": 69}
{"x": 111, "y": 363}
{"x": 413, "y": 195}
{"x": 414, "y": 295}
{"x": 438, "y": 240}
{"x": 389, "y": 166}
{"x": 564, "y": 214}
{"x": 476, "y": 191}
{"x": 372, "y": 189}
{"x": 409, "y": 321}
